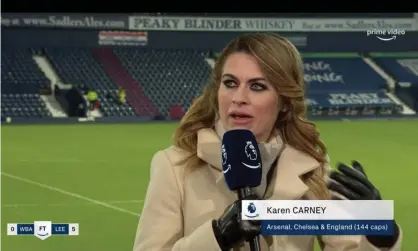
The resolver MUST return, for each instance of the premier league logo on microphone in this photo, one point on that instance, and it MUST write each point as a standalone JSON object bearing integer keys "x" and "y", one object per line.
{"x": 251, "y": 154}
{"x": 250, "y": 151}
{"x": 251, "y": 211}
{"x": 226, "y": 167}
{"x": 224, "y": 155}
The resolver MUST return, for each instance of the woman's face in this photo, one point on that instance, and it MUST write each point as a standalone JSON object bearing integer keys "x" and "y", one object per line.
{"x": 246, "y": 99}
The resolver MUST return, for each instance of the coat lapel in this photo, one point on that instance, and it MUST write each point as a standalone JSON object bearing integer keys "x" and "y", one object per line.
{"x": 286, "y": 183}
{"x": 209, "y": 149}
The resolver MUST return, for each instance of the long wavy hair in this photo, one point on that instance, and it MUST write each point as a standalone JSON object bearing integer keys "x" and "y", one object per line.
{"x": 281, "y": 63}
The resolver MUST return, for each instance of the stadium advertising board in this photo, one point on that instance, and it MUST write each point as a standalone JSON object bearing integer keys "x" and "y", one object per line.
{"x": 77, "y": 21}
{"x": 123, "y": 38}
{"x": 308, "y": 34}
{"x": 165, "y": 23}
{"x": 312, "y": 42}
{"x": 351, "y": 103}
{"x": 362, "y": 98}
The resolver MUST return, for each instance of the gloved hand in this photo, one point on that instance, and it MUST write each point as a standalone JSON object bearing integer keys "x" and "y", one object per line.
{"x": 231, "y": 230}
{"x": 353, "y": 184}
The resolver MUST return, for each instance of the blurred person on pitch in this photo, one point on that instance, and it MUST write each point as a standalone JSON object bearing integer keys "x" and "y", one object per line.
{"x": 257, "y": 84}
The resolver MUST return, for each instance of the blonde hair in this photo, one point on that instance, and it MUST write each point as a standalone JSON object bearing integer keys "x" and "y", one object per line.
{"x": 281, "y": 62}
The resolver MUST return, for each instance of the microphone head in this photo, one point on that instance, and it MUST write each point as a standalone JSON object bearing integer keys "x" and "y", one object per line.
{"x": 241, "y": 160}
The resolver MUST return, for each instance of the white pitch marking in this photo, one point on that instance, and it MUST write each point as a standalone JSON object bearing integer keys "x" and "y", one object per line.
{"x": 81, "y": 197}
{"x": 72, "y": 204}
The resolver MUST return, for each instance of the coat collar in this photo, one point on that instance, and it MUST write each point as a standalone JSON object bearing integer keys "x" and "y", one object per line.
{"x": 286, "y": 183}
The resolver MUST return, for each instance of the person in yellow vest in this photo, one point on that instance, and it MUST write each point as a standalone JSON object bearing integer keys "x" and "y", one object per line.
{"x": 92, "y": 97}
{"x": 121, "y": 95}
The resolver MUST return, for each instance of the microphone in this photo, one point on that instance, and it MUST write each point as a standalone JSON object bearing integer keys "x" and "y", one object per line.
{"x": 241, "y": 164}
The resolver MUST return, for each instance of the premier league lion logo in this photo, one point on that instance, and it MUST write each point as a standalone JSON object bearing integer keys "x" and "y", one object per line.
{"x": 250, "y": 151}
{"x": 252, "y": 211}
{"x": 252, "y": 208}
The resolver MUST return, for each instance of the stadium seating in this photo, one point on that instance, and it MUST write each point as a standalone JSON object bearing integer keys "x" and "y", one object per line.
{"x": 402, "y": 69}
{"x": 111, "y": 108}
{"x": 167, "y": 77}
{"x": 346, "y": 86}
{"x": 168, "y": 80}
{"x": 120, "y": 76}
{"x": 20, "y": 70}
{"x": 27, "y": 105}
{"x": 21, "y": 81}
{"x": 78, "y": 67}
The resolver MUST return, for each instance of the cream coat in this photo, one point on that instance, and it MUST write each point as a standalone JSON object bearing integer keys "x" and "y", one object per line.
{"x": 178, "y": 208}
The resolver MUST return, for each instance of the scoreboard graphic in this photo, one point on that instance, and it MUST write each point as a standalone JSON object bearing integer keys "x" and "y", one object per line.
{"x": 43, "y": 229}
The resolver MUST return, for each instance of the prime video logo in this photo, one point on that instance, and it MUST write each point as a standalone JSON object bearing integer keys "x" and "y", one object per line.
{"x": 386, "y": 35}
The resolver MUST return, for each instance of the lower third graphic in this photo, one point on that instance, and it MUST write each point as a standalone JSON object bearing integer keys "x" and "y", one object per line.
{"x": 42, "y": 229}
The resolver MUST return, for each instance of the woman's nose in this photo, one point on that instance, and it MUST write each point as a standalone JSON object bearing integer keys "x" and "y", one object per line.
{"x": 240, "y": 96}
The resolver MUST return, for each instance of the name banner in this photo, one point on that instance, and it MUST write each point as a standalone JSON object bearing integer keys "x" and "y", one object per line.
{"x": 86, "y": 21}
{"x": 327, "y": 227}
{"x": 165, "y": 23}
{"x": 317, "y": 210}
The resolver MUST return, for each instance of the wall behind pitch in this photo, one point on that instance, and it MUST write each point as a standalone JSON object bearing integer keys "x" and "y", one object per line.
{"x": 307, "y": 42}
{"x": 41, "y": 37}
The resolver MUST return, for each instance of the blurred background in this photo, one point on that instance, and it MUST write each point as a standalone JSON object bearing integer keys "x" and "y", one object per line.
{"x": 87, "y": 99}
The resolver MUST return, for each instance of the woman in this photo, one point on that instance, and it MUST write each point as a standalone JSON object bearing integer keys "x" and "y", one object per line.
{"x": 257, "y": 84}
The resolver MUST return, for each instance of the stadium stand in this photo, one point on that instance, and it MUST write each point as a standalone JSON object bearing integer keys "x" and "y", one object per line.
{"x": 120, "y": 76}
{"x": 20, "y": 70}
{"x": 403, "y": 68}
{"x": 27, "y": 105}
{"x": 169, "y": 78}
{"x": 340, "y": 74}
{"x": 163, "y": 82}
{"x": 345, "y": 84}
{"x": 21, "y": 81}
{"x": 78, "y": 67}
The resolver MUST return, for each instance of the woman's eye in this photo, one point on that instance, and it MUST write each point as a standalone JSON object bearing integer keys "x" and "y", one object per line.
{"x": 229, "y": 83}
{"x": 258, "y": 87}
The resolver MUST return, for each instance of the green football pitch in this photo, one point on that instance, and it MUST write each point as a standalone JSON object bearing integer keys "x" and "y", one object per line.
{"x": 97, "y": 175}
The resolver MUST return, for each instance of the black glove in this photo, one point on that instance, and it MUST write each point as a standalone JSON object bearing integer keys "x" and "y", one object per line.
{"x": 231, "y": 230}
{"x": 353, "y": 184}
